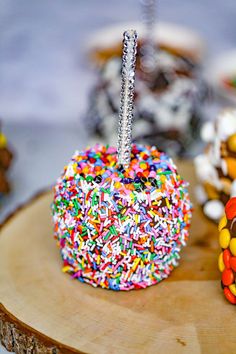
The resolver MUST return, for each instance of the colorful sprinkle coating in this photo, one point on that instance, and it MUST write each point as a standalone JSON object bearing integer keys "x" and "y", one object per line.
{"x": 227, "y": 258}
{"x": 121, "y": 229}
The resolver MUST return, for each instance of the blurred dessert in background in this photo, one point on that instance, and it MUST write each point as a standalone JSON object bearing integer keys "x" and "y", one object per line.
{"x": 221, "y": 76}
{"x": 216, "y": 167}
{"x": 170, "y": 37}
{"x": 168, "y": 90}
{"x": 168, "y": 102}
{"x": 5, "y": 162}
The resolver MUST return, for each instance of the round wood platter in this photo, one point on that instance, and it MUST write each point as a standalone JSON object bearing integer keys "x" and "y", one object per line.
{"x": 43, "y": 310}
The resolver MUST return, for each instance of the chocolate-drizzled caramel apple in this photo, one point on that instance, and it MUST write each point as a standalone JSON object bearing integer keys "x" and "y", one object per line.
{"x": 168, "y": 96}
{"x": 167, "y": 104}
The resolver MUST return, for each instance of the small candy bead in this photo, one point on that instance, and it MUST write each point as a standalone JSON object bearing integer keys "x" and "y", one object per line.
{"x": 227, "y": 277}
{"x": 224, "y": 238}
{"x": 222, "y": 223}
{"x": 145, "y": 156}
{"x": 146, "y": 173}
{"x": 143, "y": 165}
{"x": 221, "y": 265}
{"x": 232, "y": 262}
{"x": 152, "y": 174}
{"x": 232, "y": 142}
{"x": 229, "y": 296}
{"x": 230, "y": 208}
{"x": 232, "y": 288}
{"x": 137, "y": 180}
{"x": 117, "y": 185}
{"x": 226, "y": 258}
{"x": 232, "y": 246}
{"x": 231, "y": 167}
{"x": 126, "y": 180}
{"x": 132, "y": 174}
{"x": 89, "y": 178}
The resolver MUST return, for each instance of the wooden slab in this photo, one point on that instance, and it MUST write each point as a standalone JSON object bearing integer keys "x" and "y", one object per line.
{"x": 44, "y": 310}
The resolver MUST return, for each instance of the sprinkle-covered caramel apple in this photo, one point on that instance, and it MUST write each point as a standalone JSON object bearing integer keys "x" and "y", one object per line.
{"x": 121, "y": 216}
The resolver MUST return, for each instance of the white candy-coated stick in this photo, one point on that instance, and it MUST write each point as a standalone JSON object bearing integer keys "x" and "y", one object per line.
{"x": 127, "y": 97}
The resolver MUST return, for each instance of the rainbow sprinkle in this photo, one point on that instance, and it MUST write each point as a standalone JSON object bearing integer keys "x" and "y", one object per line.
{"x": 121, "y": 229}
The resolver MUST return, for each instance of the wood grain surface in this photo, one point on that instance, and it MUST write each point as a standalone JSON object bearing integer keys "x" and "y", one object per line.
{"x": 44, "y": 310}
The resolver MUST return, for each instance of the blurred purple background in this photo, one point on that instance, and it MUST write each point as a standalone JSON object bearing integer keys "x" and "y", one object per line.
{"x": 42, "y": 62}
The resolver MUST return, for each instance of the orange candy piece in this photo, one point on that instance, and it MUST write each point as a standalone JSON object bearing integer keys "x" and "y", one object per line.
{"x": 231, "y": 167}
{"x": 227, "y": 277}
{"x": 230, "y": 208}
{"x": 229, "y": 296}
{"x": 226, "y": 258}
{"x": 233, "y": 263}
{"x": 146, "y": 173}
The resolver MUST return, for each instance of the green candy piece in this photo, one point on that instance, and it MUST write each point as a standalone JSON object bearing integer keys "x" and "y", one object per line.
{"x": 89, "y": 178}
